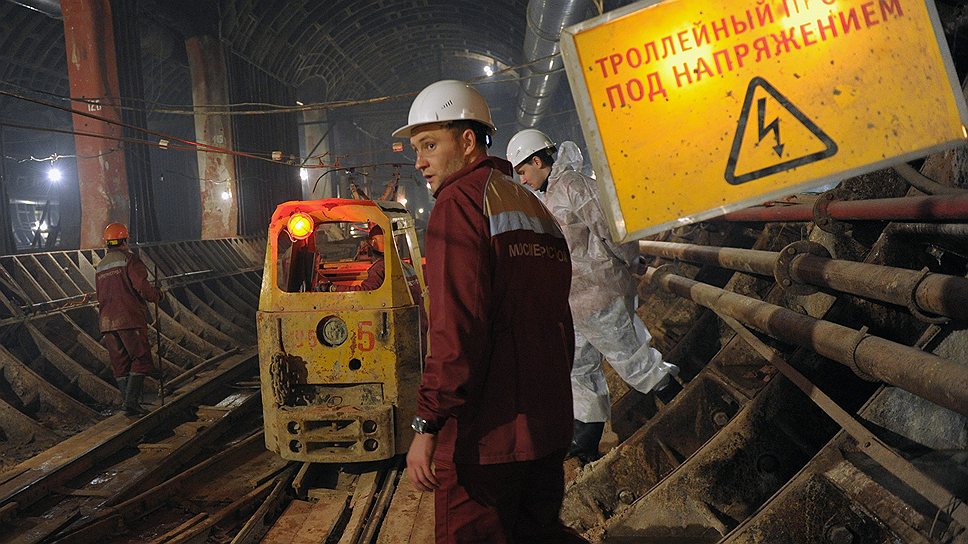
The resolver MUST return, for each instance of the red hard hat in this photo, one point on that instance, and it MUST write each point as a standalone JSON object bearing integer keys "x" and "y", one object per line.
{"x": 115, "y": 234}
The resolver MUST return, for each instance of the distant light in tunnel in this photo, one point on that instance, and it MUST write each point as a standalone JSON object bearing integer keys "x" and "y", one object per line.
{"x": 226, "y": 195}
{"x": 488, "y": 71}
{"x": 54, "y": 175}
{"x": 420, "y": 210}
{"x": 304, "y": 174}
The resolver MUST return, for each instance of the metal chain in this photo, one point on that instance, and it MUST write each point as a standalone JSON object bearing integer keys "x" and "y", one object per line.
{"x": 280, "y": 378}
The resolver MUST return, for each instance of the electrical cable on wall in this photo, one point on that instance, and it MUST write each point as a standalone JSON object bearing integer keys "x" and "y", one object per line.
{"x": 216, "y": 109}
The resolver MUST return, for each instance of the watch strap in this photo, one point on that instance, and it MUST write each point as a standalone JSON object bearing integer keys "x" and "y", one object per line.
{"x": 422, "y": 426}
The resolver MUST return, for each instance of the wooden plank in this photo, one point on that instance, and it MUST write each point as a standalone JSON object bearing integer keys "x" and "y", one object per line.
{"x": 201, "y": 532}
{"x": 410, "y": 518}
{"x": 193, "y": 522}
{"x": 72, "y": 457}
{"x": 322, "y": 518}
{"x": 261, "y": 520}
{"x": 361, "y": 504}
{"x": 285, "y": 529}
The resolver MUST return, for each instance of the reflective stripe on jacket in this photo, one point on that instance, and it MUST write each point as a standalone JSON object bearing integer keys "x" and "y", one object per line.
{"x": 122, "y": 291}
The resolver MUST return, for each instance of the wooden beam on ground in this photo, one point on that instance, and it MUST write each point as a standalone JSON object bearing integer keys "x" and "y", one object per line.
{"x": 410, "y": 518}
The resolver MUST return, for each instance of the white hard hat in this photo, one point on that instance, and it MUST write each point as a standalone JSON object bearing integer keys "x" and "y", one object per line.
{"x": 447, "y": 100}
{"x": 526, "y": 143}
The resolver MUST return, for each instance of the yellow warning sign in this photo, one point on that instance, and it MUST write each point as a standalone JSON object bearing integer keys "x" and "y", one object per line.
{"x": 694, "y": 108}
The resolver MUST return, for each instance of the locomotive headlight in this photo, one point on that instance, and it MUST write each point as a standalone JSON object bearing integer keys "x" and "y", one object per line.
{"x": 300, "y": 226}
{"x": 331, "y": 331}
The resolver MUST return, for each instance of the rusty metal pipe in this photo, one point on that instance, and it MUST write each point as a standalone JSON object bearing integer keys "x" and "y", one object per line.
{"x": 923, "y": 183}
{"x": 915, "y": 208}
{"x": 950, "y": 230}
{"x": 939, "y": 380}
{"x": 752, "y": 261}
{"x": 925, "y": 292}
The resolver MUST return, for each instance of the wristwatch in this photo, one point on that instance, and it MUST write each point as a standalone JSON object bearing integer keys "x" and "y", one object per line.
{"x": 422, "y": 426}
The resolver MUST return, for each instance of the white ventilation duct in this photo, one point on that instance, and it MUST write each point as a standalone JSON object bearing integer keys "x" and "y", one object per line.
{"x": 546, "y": 18}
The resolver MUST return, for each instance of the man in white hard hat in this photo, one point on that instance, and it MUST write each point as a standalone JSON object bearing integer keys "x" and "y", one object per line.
{"x": 603, "y": 297}
{"x": 494, "y": 410}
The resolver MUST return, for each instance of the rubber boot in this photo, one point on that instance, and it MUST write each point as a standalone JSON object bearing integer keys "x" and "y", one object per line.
{"x": 584, "y": 444}
{"x": 132, "y": 397}
{"x": 123, "y": 387}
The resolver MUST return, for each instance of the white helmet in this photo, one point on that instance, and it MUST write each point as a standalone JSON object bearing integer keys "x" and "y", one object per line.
{"x": 526, "y": 143}
{"x": 447, "y": 100}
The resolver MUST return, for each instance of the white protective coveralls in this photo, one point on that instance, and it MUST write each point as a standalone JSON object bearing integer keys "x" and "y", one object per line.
{"x": 603, "y": 297}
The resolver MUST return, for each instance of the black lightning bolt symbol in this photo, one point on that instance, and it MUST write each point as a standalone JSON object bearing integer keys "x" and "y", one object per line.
{"x": 773, "y": 127}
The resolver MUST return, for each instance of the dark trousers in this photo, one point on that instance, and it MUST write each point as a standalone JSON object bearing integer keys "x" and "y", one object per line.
{"x": 129, "y": 352}
{"x": 502, "y": 503}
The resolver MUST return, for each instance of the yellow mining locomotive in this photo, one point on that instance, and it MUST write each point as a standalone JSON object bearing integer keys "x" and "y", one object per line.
{"x": 340, "y": 354}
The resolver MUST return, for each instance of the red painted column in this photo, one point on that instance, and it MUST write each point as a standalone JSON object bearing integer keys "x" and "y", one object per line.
{"x": 216, "y": 171}
{"x": 93, "y": 72}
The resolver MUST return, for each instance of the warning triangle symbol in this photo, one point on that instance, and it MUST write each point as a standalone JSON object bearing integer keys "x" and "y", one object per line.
{"x": 773, "y": 136}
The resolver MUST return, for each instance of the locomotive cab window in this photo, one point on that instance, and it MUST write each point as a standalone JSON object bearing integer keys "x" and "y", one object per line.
{"x": 403, "y": 240}
{"x": 334, "y": 257}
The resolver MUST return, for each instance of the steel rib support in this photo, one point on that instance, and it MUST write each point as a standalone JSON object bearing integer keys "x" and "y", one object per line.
{"x": 868, "y": 442}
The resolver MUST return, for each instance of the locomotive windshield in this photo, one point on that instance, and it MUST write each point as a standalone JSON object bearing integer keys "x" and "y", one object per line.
{"x": 336, "y": 256}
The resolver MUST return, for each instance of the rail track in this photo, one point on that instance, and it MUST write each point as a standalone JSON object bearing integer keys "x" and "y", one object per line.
{"x": 194, "y": 469}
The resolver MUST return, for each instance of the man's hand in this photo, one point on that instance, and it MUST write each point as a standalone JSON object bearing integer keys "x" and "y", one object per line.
{"x": 419, "y": 457}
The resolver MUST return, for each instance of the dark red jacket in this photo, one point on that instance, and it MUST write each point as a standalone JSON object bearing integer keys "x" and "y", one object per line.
{"x": 122, "y": 290}
{"x": 373, "y": 281}
{"x": 502, "y": 344}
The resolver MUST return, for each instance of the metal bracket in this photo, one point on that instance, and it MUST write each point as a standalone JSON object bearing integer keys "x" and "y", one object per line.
{"x": 661, "y": 272}
{"x": 781, "y": 267}
{"x": 913, "y": 303}
{"x": 821, "y": 215}
{"x": 852, "y": 362}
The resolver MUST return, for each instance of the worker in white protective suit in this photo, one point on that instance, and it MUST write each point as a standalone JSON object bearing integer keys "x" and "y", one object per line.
{"x": 603, "y": 295}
